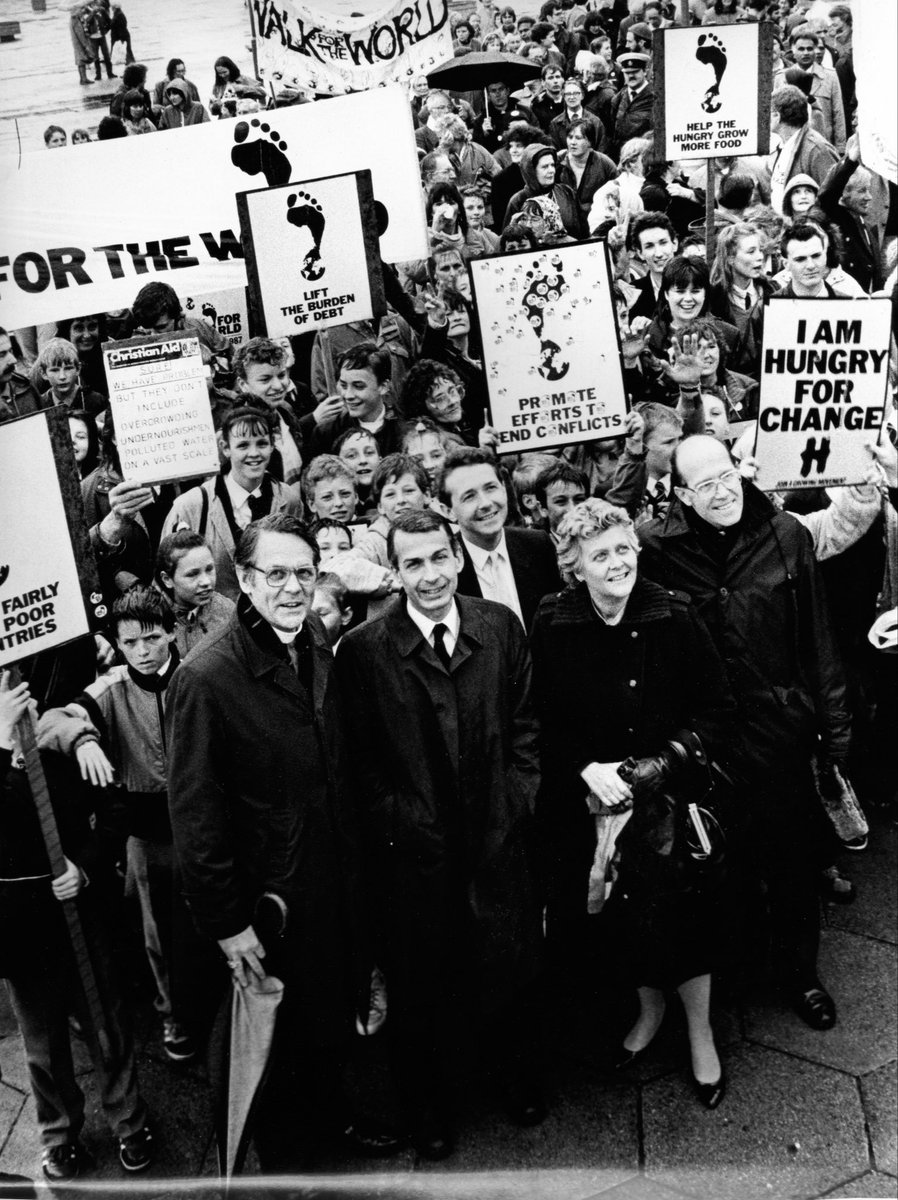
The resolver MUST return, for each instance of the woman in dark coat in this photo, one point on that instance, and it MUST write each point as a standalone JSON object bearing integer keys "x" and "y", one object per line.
{"x": 622, "y": 666}
{"x": 582, "y": 168}
{"x": 539, "y": 167}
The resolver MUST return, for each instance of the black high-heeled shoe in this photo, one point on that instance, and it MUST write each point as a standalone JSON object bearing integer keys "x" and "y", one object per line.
{"x": 710, "y": 1094}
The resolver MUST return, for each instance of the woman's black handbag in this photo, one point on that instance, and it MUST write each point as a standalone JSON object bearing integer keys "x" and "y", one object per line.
{"x": 683, "y": 816}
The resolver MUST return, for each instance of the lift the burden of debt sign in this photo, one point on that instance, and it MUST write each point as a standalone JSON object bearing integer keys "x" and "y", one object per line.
{"x": 712, "y": 91}
{"x": 824, "y": 373}
{"x": 312, "y": 257}
{"x": 160, "y": 408}
{"x": 550, "y": 346}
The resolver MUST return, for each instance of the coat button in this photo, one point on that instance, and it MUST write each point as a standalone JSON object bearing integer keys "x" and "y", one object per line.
{"x": 634, "y": 634}
{"x": 632, "y": 683}
{"x": 723, "y": 593}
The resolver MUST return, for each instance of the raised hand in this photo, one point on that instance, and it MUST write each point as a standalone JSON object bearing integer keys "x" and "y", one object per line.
{"x": 684, "y": 368}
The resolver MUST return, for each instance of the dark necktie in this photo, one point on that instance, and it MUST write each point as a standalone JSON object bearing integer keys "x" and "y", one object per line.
{"x": 439, "y": 644}
{"x": 258, "y": 507}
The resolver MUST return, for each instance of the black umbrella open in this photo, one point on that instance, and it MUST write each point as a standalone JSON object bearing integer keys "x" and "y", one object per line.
{"x": 482, "y": 68}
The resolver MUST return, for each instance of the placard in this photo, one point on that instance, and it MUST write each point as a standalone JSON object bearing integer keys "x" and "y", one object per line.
{"x": 332, "y": 47}
{"x": 160, "y": 408}
{"x": 225, "y": 311}
{"x": 550, "y": 346}
{"x": 824, "y": 375}
{"x": 874, "y": 37}
{"x": 49, "y": 594}
{"x": 95, "y": 251}
{"x": 712, "y": 91}
{"x": 311, "y": 254}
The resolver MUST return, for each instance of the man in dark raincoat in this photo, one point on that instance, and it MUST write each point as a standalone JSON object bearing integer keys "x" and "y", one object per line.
{"x": 444, "y": 740}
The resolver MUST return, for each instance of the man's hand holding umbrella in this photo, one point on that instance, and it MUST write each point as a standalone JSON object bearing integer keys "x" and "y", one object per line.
{"x": 244, "y": 953}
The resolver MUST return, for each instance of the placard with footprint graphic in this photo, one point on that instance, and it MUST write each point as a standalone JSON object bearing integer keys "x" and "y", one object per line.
{"x": 712, "y": 91}
{"x": 311, "y": 254}
{"x": 550, "y": 346}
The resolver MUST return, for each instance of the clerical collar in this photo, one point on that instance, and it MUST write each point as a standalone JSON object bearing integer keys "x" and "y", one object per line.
{"x": 286, "y": 637}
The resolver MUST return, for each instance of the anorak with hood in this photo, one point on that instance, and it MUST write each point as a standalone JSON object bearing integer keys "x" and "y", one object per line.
{"x": 558, "y": 202}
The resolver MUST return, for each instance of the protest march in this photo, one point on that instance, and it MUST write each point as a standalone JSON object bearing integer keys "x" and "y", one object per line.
{"x": 448, "y": 568}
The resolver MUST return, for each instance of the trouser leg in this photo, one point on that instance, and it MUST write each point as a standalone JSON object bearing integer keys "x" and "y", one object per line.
{"x": 40, "y": 1001}
{"x": 155, "y": 904}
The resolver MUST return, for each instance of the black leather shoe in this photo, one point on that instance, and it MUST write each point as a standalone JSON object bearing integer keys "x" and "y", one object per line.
{"x": 710, "y": 1094}
{"x": 373, "y": 1141}
{"x": 816, "y": 1008}
{"x": 433, "y": 1141}
{"x": 60, "y": 1164}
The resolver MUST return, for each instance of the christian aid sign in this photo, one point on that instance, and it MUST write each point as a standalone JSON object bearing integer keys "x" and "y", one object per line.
{"x": 824, "y": 374}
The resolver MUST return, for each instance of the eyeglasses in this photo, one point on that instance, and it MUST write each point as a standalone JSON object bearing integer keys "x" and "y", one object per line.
{"x": 276, "y": 577}
{"x": 451, "y": 394}
{"x": 731, "y": 481}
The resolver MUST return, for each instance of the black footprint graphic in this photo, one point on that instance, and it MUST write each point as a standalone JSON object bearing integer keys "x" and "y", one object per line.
{"x": 210, "y": 311}
{"x": 263, "y": 155}
{"x": 308, "y": 215}
{"x": 543, "y": 291}
{"x": 712, "y": 52}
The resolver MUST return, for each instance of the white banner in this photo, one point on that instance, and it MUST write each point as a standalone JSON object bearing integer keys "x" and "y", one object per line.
{"x": 331, "y": 48}
{"x": 84, "y": 228}
{"x": 711, "y": 91}
{"x": 161, "y": 410}
{"x": 550, "y": 346}
{"x": 41, "y": 603}
{"x": 874, "y": 40}
{"x": 224, "y": 311}
{"x": 824, "y": 371}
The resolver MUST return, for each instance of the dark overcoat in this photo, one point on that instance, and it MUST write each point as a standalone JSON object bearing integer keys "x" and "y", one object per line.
{"x": 257, "y": 802}
{"x": 447, "y": 773}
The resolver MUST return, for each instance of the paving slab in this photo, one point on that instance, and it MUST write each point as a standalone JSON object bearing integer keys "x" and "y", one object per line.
{"x": 879, "y": 1092}
{"x": 639, "y": 1188}
{"x": 588, "y": 1142}
{"x": 11, "y": 1104}
{"x": 875, "y": 911}
{"x": 866, "y": 1188}
{"x": 861, "y": 974}
{"x": 786, "y": 1128}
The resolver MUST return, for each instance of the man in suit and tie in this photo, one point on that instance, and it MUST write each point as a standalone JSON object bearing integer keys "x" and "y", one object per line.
{"x": 437, "y": 695}
{"x": 653, "y": 240}
{"x": 631, "y": 108}
{"x": 517, "y": 567}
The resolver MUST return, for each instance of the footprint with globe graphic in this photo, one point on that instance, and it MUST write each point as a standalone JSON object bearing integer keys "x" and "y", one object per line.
{"x": 304, "y": 212}
{"x": 712, "y": 52}
{"x": 544, "y": 290}
{"x": 263, "y": 155}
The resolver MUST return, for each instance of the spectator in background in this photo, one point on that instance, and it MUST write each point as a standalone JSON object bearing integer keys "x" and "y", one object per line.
{"x": 134, "y": 113}
{"x": 176, "y": 69}
{"x": 133, "y": 76}
{"x": 119, "y": 32}
{"x": 231, "y": 85}
{"x": 827, "y": 107}
{"x": 802, "y": 150}
{"x": 109, "y": 128}
{"x": 180, "y": 111}
{"x": 581, "y": 167}
{"x": 55, "y": 137}
{"x": 80, "y": 137}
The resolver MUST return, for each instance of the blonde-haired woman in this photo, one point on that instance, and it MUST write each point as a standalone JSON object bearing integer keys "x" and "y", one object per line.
{"x": 623, "y": 669}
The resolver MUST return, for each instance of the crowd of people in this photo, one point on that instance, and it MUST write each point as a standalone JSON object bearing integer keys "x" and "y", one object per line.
{"x": 412, "y": 726}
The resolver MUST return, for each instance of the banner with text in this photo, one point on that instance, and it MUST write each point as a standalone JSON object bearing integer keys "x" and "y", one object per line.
{"x": 42, "y": 597}
{"x": 317, "y": 48}
{"x": 160, "y": 409}
{"x": 311, "y": 254}
{"x": 712, "y": 91}
{"x": 225, "y": 311}
{"x": 69, "y": 247}
{"x": 550, "y": 346}
{"x": 824, "y": 373}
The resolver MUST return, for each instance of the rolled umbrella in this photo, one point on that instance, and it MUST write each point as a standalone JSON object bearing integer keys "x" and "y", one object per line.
{"x": 482, "y": 68}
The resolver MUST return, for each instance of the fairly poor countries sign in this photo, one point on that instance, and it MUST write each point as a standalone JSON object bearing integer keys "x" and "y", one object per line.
{"x": 331, "y": 48}
{"x": 41, "y": 598}
{"x": 312, "y": 254}
{"x": 160, "y": 409}
{"x": 550, "y": 346}
{"x": 712, "y": 91}
{"x": 824, "y": 371}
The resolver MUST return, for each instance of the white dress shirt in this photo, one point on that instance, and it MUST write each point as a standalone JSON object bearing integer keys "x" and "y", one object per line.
{"x": 451, "y": 620}
{"x": 495, "y": 576}
{"x": 240, "y": 500}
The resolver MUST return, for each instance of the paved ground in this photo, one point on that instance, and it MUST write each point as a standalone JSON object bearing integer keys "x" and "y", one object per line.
{"x": 807, "y": 1114}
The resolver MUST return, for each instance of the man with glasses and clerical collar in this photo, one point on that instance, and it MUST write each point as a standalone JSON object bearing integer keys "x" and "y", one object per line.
{"x": 262, "y": 829}
{"x": 751, "y": 572}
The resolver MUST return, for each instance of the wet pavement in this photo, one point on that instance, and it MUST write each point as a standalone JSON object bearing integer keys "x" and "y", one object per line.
{"x": 806, "y": 1114}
